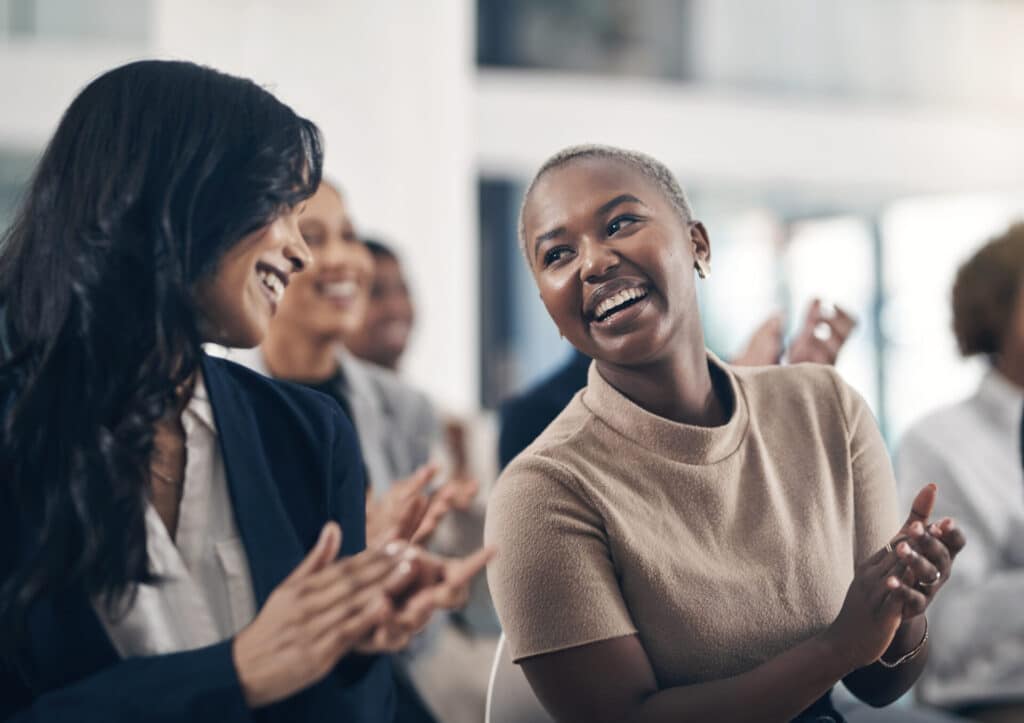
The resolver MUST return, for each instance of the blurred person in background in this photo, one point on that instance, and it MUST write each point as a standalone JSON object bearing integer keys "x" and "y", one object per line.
{"x": 398, "y": 431}
{"x": 170, "y": 523}
{"x": 387, "y": 323}
{"x": 524, "y": 417}
{"x": 691, "y": 540}
{"x": 972, "y": 451}
{"x": 382, "y": 339}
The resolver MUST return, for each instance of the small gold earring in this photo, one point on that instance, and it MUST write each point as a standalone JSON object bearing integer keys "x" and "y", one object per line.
{"x": 703, "y": 270}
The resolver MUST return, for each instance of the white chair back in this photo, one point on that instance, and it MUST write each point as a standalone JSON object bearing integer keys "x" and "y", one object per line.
{"x": 510, "y": 699}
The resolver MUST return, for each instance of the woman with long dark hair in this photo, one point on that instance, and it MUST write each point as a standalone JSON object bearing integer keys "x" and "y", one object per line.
{"x": 690, "y": 540}
{"x": 169, "y": 521}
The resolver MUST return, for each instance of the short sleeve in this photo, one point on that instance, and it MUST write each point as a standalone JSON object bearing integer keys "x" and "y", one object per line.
{"x": 876, "y": 501}
{"x": 553, "y": 581}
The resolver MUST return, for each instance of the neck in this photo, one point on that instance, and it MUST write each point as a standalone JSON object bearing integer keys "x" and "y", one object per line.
{"x": 678, "y": 388}
{"x": 290, "y": 353}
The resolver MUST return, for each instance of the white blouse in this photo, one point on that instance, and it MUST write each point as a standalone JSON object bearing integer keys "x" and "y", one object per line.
{"x": 971, "y": 450}
{"x": 206, "y": 595}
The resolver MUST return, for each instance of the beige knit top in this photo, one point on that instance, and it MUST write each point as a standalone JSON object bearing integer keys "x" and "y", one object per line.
{"x": 720, "y": 547}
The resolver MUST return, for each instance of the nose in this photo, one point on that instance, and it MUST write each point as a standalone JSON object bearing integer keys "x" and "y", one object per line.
{"x": 597, "y": 259}
{"x": 297, "y": 253}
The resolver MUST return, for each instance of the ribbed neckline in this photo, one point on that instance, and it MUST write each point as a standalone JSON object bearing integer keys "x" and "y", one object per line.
{"x": 686, "y": 443}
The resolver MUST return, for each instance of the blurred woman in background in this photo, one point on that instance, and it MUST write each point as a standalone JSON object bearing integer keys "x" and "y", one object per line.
{"x": 972, "y": 450}
{"x": 169, "y": 521}
{"x": 396, "y": 425}
{"x": 690, "y": 540}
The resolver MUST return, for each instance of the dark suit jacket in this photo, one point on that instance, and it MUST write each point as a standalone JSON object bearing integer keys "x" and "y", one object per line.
{"x": 292, "y": 462}
{"x": 523, "y": 418}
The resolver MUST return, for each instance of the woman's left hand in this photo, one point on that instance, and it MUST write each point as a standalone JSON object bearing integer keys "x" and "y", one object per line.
{"x": 438, "y": 583}
{"x": 927, "y": 551}
{"x": 928, "y": 554}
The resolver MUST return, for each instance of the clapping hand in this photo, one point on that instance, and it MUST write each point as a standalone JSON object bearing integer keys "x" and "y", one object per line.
{"x": 895, "y": 584}
{"x": 408, "y": 511}
{"x": 822, "y": 335}
{"x": 432, "y": 583}
{"x": 819, "y": 340}
{"x": 926, "y": 552}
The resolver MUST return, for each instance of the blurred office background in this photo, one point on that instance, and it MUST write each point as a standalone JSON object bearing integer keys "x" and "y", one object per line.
{"x": 856, "y": 150}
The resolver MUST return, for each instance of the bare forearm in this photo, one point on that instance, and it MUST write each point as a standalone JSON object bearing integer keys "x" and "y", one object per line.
{"x": 877, "y": 685}
{"x": 777, "y": 690}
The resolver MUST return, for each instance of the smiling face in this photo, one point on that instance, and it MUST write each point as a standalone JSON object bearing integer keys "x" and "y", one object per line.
{"x": 613, "y": 261}
{"x": 237, "y": 301}
{"x": 329, "y": 301}
{"x": 384, "y": 334}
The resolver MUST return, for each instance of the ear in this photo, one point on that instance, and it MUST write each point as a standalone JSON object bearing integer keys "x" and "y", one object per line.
{"x": 701, "y": 242}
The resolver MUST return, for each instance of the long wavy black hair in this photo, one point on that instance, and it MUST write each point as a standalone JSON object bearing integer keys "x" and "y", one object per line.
{"x": 155, "y": 170}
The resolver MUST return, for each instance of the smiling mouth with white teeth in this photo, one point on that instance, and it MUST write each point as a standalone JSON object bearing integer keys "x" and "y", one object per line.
{"x": 340, "y": 291}
{"x": 617, "y": 302}
{"x": 272, "y": 284}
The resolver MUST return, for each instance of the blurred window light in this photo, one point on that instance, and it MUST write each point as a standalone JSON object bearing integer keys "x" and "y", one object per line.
{"x": 926, "y": 240}
{"x": 125, "y": 21}
{"x": 958, "y": 52}
{"x": 834, "y": 259}
{"x": 616, "y": 37}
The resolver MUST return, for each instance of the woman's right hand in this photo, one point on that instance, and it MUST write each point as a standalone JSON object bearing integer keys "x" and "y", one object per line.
{"x": 872, "y": 611}
{"x": 314, "y": 617}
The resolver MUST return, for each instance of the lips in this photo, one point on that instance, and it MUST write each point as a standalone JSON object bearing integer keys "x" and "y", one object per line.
{"x": 614, "y": 296}
{"x": 273, "y": 281}
{"x": 339, "y": 290}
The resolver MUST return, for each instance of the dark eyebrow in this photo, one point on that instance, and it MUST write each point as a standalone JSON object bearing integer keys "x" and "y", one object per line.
{"x": 621, "y": 198}
{"x": 547, "y": 236}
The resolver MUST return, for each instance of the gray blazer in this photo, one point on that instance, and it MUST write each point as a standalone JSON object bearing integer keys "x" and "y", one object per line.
{"x": 397, "y": 427}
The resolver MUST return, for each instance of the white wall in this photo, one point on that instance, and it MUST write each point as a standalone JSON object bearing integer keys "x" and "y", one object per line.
{"x": 390, "y": 84}
{"x": 709, "y": 137}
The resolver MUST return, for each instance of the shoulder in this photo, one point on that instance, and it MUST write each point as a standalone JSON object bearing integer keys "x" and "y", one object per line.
{"x": 813, "y": 388}
{"x": 277, "y": 405}
{"x": 394, "y": 393}
{"x": 543, "y": 476}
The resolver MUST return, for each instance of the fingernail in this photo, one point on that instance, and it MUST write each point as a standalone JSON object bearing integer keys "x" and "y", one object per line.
{"x": 404, "y": 568}
{"x": 892, "y": 583}
{"x": 935, "y": 530}
{"x": 393, "y": 548}
{"x": 411, "y": 553}
{"x": 917, "y": 528}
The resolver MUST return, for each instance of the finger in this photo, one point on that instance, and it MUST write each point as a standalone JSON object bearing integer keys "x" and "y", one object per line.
{"x": 347, "y": 583}
{"x": 914, "y": 601}
{"x": 418, "y": 481}
{"x": 462, "y": 571}
{"x": 931, "y": 548}
{"x": 950, "y": 535}
{"x": 924, "y": 502}
{"x": 343, "y": 637}
{"x": 323, "y": 552}
{"x": 331, "y": 618}
{"x": 431, "y": 519}
{"x": 920, "y": 565}
{"x": 813, "y": 316}
{"x": 842, "y": 323}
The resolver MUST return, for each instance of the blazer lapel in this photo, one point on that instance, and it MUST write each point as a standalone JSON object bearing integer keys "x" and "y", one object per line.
{"x": 270, "y": 541}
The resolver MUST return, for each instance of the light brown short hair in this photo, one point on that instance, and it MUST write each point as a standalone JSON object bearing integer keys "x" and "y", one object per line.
{"x": 985, "y": 293}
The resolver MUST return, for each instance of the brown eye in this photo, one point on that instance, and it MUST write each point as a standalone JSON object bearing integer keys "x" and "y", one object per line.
{"x": 618, "y": 223}
{"x": 556, "y": 254}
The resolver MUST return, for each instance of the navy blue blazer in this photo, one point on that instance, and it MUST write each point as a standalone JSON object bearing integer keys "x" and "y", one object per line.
{"x": 292, "y": 462}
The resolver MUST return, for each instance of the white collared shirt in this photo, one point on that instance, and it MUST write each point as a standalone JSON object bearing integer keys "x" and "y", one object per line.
{"x": 971, "y": 450}
{"x": 207, "y": 594}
